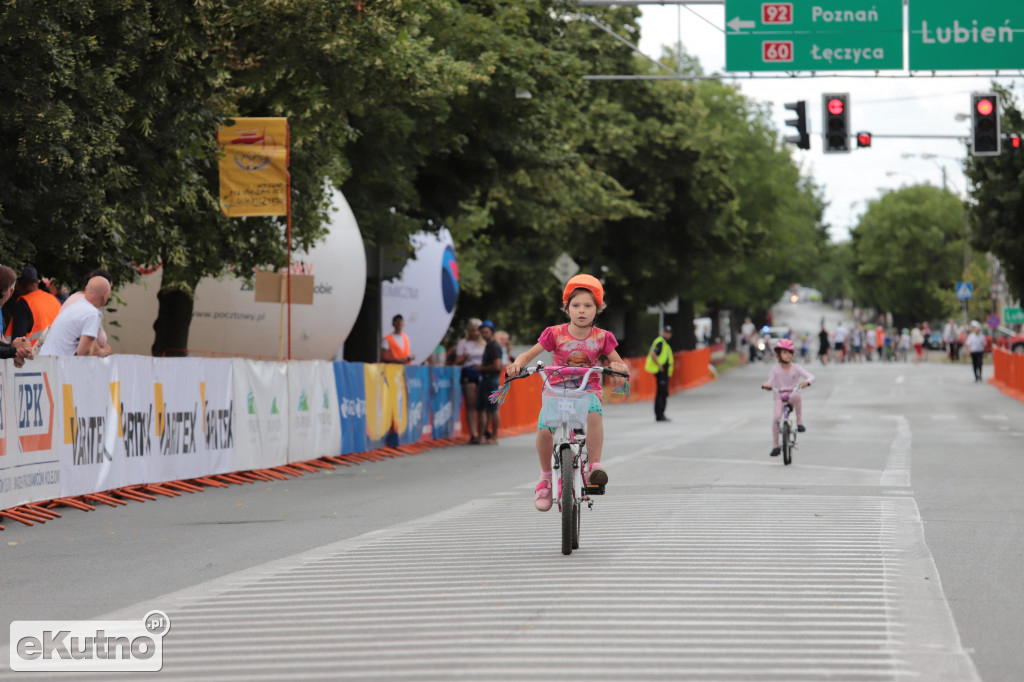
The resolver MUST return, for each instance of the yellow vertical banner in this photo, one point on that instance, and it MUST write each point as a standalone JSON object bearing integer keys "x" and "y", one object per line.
{"x": 254, "y": 178}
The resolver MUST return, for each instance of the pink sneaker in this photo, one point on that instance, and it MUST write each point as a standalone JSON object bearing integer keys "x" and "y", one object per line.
{"x": 542, "y": 497}
{"x": 598, "y": 476}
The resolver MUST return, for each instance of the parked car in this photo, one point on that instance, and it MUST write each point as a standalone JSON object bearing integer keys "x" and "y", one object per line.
{"x": 934, "y": 341}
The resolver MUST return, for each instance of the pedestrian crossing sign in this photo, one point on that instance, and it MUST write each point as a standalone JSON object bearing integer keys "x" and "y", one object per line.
{"x": 964, "y": 291}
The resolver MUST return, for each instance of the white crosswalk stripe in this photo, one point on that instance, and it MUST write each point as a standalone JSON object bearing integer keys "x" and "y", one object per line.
{"x": 742, "y": 585}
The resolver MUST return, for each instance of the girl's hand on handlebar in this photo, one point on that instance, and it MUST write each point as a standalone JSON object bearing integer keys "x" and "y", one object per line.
{"x": 617, "y": 367}
{"x": 805, "y": 384}
{"x": 766, "y": 387}
{"x": 514, "y": 370}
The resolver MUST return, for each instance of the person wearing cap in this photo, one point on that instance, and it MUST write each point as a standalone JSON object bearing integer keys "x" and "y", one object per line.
{"x": 975, "y": 344}
{"x": 35, "y": 309}
{"x": 396, "y": 344}
{"x": 660, "y": 363}
{"x": 489, "y": 421}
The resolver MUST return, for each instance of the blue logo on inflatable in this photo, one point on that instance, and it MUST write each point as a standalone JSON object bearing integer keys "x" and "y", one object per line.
{"x": 449, "y": 278}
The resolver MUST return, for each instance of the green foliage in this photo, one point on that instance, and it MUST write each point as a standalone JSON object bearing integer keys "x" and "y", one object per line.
{"x": 908, "y": 252}
{"x": 997, "y": 216}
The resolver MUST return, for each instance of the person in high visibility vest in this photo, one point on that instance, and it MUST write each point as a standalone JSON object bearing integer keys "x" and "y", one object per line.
{"x": 660, "y": 363}
{"x": 34, "y": 311}
{"x": 396, "y": 345}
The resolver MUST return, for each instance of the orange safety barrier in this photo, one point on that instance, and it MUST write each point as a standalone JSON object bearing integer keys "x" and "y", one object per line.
{"x": 1008, "y": 374}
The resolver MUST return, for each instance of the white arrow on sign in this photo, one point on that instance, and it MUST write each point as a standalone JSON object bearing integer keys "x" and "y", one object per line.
{"x": 738, "y": 24}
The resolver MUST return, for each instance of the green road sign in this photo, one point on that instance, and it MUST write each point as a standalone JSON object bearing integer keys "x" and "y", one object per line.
{"x": 821, "y": 35}
{"x": 1013, "y": 315}
{"x": 953, "y": 34}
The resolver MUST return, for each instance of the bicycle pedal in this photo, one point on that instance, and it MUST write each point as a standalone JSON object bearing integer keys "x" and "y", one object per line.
{"x": 594, "y": 489}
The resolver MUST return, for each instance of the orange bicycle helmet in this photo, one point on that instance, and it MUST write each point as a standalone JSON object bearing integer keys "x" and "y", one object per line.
{"x": 588, "y": 282}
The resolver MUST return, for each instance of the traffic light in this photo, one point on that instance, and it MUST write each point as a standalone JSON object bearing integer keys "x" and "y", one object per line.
{"x": 985, "y": 140}
{"x": 863, "y": 140}
{"x": 801, "y": 139}
{"x": 837, "y": 122}
{"x": 1012, "y": 141}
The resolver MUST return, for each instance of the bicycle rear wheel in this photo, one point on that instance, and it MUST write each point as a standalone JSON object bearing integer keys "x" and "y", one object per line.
{"x": 787, "y": 446}
{"x": 568, "y": 497}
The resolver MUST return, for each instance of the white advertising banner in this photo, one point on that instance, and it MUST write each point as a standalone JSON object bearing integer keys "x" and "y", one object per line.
{"x": 194, "y": 410}
{"x": 29, "y": 465}
{"x": 134, "y": 395}
{"x": 88, "y": 427}
{"x": 315, "y": 423}
{"x": 261, "y": 414}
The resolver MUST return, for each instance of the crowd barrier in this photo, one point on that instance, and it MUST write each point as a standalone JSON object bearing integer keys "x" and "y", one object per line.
{"x": 1008, "y": 372}
{"x": 73, "y": 428}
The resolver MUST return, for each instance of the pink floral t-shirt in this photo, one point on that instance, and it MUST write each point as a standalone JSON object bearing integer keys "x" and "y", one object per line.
{"x": 573, "y": 352}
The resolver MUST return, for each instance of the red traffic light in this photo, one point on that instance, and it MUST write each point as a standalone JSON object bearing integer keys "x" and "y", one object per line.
{"x": 1015, "y": 141}
{"x": 863, "y": 140}
{"x": 835, "y": 106}
{"x": 985, "y": 107}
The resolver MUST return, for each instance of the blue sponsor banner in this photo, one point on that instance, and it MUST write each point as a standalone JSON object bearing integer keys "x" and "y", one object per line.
{"x": 445, "y": 395}
{"x": 417, "y": 395}
{"x": 351, "y": 382}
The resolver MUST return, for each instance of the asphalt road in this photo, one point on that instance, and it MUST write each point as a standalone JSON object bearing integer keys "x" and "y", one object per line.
{"x": 890, "y": 548}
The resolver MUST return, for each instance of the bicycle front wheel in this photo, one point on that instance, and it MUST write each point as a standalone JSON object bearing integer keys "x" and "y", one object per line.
{"x": 569, "y": 502}
{"x": 787, "y": 446}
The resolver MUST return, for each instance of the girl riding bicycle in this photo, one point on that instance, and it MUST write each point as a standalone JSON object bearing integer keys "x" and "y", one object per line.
{"x": 577, "y": 343}
{"x": 785, "y": 375}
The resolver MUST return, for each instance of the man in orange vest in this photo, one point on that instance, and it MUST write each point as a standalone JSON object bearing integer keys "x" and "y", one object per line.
{"x": 396, "y": 345}
{"x": 34, "y": 311}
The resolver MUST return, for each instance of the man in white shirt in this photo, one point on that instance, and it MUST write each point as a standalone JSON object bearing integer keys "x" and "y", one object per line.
{"x": 976, "y": 345}
{"x": 75, "y": 330}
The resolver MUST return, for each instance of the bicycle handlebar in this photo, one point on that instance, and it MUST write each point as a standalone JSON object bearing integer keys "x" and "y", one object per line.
{"x": 562, "y": 370}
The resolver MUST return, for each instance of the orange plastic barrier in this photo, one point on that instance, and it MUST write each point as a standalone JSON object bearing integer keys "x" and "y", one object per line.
{"x": 519, "y": 413}
{"x": 1008, "y": 375}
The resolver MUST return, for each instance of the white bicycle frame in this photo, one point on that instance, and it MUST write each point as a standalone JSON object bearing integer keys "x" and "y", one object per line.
{"x": 784, "y": 417}
{"x": 570, "y": 407}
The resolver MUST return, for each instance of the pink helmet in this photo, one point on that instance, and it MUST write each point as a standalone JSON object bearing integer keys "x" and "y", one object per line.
{"x": 784, "y": 344}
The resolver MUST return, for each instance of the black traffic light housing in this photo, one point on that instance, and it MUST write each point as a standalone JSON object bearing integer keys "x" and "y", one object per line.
{"x": 836, "y": 115}
{"x": 863, "y": 140}
{"x": 802, "y": 139}
{"x": 985, "y": 137}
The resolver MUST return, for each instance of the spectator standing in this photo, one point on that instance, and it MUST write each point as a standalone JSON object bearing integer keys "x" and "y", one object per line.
{"x": 880, "y": 341}
{"x": 19, "y": 349}
{"x": 823, "y": 344}
{"x": 747, "y": 341}
{"x": 857, "y": 342}
{"x": 839, "y": 339}
{"x": 395, "y": 348}
{"x": 870, "y": 342}
{"x": 34, "y": 310}
{"x": 469, "y": 353}
{"x": 976, "y": 347}
{"x": 917, "y": 341}
{"x": 951, "y": 337}
{"x": 490, "y": 373}
{"x": 79, "y": 295}
{"x": 660, "y": 364}
{"x": 75, "y": 330}
{"x": 505, "y": 341}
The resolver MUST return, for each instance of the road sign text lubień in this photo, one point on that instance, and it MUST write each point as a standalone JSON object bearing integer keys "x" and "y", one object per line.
{"x": 813, "y": 36}
{"x": 1013, "y": 315}
{"x": 953, "y": 34}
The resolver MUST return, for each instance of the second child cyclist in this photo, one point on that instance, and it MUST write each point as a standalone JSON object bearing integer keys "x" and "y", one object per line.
{"x": 577, "y": 343}
{"x": 785, "y": 375}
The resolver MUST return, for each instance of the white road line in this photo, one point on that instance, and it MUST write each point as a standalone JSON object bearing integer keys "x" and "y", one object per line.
{"x": 678, "y": 585}
{"x": 897, "y": 467}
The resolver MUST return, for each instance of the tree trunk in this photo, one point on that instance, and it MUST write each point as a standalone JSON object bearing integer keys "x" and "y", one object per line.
{"x": 682, "y": 326}
{"x": 172, "y": 323}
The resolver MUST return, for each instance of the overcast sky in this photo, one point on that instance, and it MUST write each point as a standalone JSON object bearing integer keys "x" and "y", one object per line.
{"x": 890, "y": 106}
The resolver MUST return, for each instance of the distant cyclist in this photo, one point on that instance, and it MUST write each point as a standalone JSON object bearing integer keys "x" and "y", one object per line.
{"x": 785, "y": 375}
{"x": 577, "y": 343}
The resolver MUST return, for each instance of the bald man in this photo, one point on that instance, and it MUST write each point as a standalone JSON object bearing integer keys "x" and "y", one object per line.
{"x": 76, "y": 328}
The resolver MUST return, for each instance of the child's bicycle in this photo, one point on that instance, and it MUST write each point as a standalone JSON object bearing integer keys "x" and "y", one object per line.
{"x": 787, "y": 423}
{"x": 565, "y": 404}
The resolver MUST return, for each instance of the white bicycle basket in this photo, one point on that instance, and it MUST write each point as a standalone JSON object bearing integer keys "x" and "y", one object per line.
{"x": 571, "y": 410}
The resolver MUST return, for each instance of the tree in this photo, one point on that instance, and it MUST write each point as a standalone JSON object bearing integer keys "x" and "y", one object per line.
{"x": 997, "y": 214}
{"x": 908, "y": 252}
